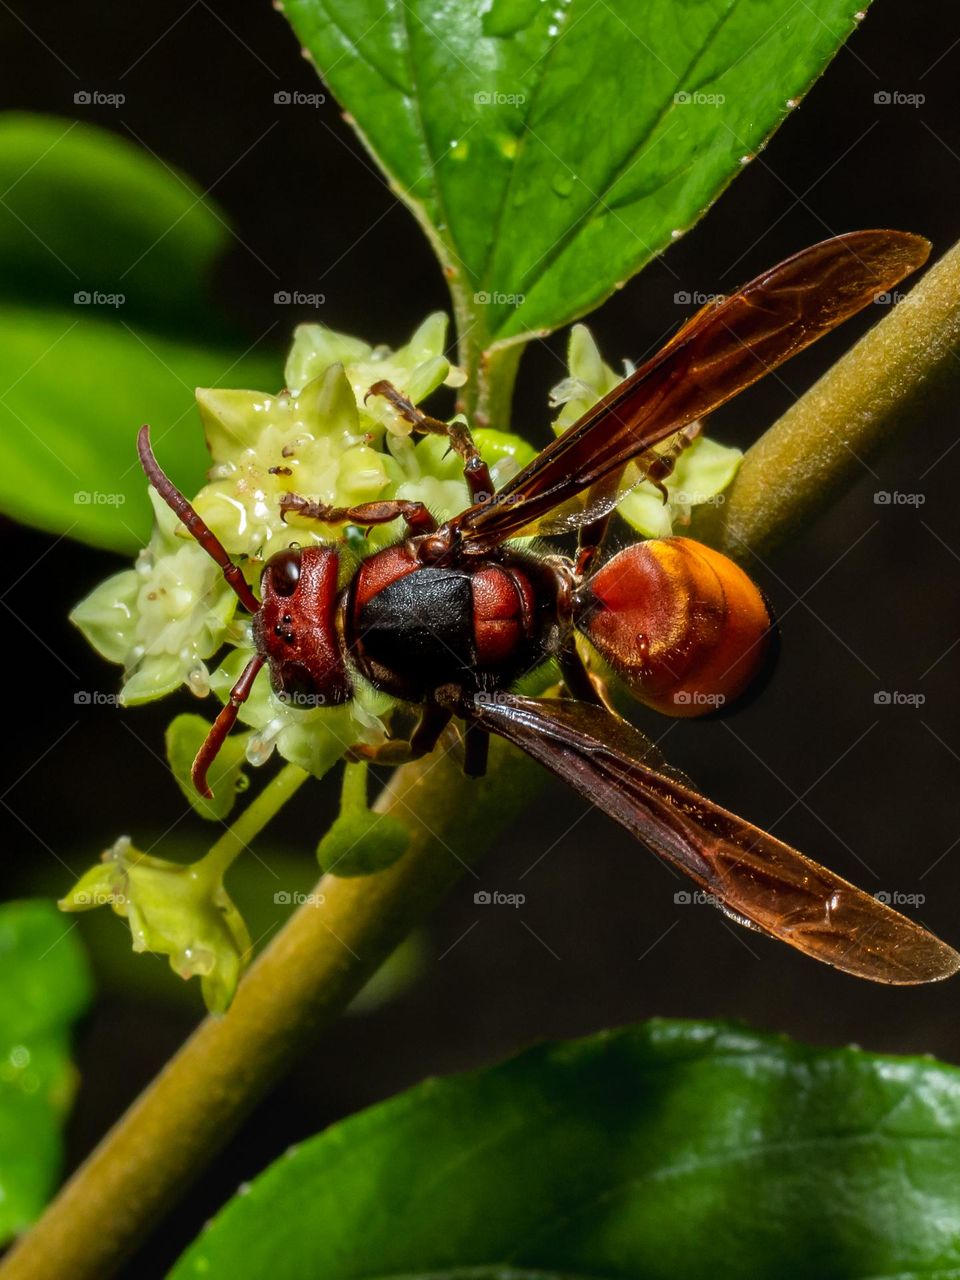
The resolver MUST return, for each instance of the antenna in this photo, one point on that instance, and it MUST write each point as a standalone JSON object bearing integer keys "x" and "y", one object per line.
{"x": 182, "y": 509}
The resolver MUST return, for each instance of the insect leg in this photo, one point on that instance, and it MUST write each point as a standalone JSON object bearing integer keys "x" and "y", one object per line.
{"x": 576, "y": 678}
{"x": 433, "y": 720}
{"x": 416, "y": 515}
{"x": 475, "y": 470}
{"x": 476, "y": 748}
{"x": 662, "y": 461}
{"x": 590, "y": 537}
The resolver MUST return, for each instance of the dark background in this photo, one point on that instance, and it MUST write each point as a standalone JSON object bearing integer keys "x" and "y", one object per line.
{"x": 869, "y": 597}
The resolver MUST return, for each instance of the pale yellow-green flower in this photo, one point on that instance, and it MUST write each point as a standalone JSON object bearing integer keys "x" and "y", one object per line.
{"x": 178, "y": 910}
{"x": 163, "y": 618}
{"x": 417, "y": 368}
{"x": 702, "y": 471}
{"x": 314, "y": 739}
{"x": 320, "y": 438}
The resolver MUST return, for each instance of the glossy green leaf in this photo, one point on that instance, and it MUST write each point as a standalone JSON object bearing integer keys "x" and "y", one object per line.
{"x": 85, "y": 211}
{"x": 105, "y": 323}
{"x": 78, "y": 390}
{"x": 184, "y": 737}
{"x": 669, "y": 1151}
{"x": 551, "y": 150}
{"x": 46, "y": 985}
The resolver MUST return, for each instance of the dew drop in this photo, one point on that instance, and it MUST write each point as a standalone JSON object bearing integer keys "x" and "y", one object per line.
{"x": 261, "y": 746}
{"x": 746, "y": 159}
{"x": 459, "y": 150}
{"x": 792, "y": 103}
{"x": 198, "y": 680}
{"x": 676, "y": 233}
{"x": 563, "y": 183}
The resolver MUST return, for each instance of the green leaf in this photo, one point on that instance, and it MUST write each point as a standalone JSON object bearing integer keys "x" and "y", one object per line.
{"x": 86, "y": 214}
{"x": 184, "y": 738}
{"x": 86, "y": 211}
{"x": 46, "y": 985}
{"x": 79, "y": 389}
{"x": 680, "y": 1150}
{"x": 551, "y": 150}
{"x": 361, "y": 842}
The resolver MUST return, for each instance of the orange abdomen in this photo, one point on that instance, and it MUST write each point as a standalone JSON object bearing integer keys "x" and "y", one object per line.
{"x": 682, "y": 625}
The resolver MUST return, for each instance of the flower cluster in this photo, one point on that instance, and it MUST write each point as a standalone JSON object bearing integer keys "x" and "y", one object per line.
{"x": 164, "y": 619}
{"x": 701, "y": 473}
{"x": 176, "y": 910}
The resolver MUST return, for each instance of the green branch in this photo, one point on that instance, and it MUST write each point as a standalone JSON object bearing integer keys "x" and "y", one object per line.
{"x": 315, "y": 966}
{"x": 301, "y": 982}
{"x": 901, "y": 374}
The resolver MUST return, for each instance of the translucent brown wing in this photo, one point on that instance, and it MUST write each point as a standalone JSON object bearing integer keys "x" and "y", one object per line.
{"x": 758, "y": 880}
{"x": 723, "y": 349}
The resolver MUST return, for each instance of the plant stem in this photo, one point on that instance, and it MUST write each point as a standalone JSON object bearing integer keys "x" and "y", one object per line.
{"x": 492, "y": 371}
{"x": 301, "y": 982}
{"x": 900, "y": 373}
{"x": 245, "y": 829}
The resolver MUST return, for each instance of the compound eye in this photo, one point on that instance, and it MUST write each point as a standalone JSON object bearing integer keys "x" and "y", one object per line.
{"x": 284, "y": 569}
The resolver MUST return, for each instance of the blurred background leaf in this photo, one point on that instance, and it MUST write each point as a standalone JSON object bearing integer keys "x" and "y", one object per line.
{"x": 106, "y": 322}
{"x": 551, "y": 151}
{"x": 46, "y": 986}
{"x": 688, "y": 1150}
